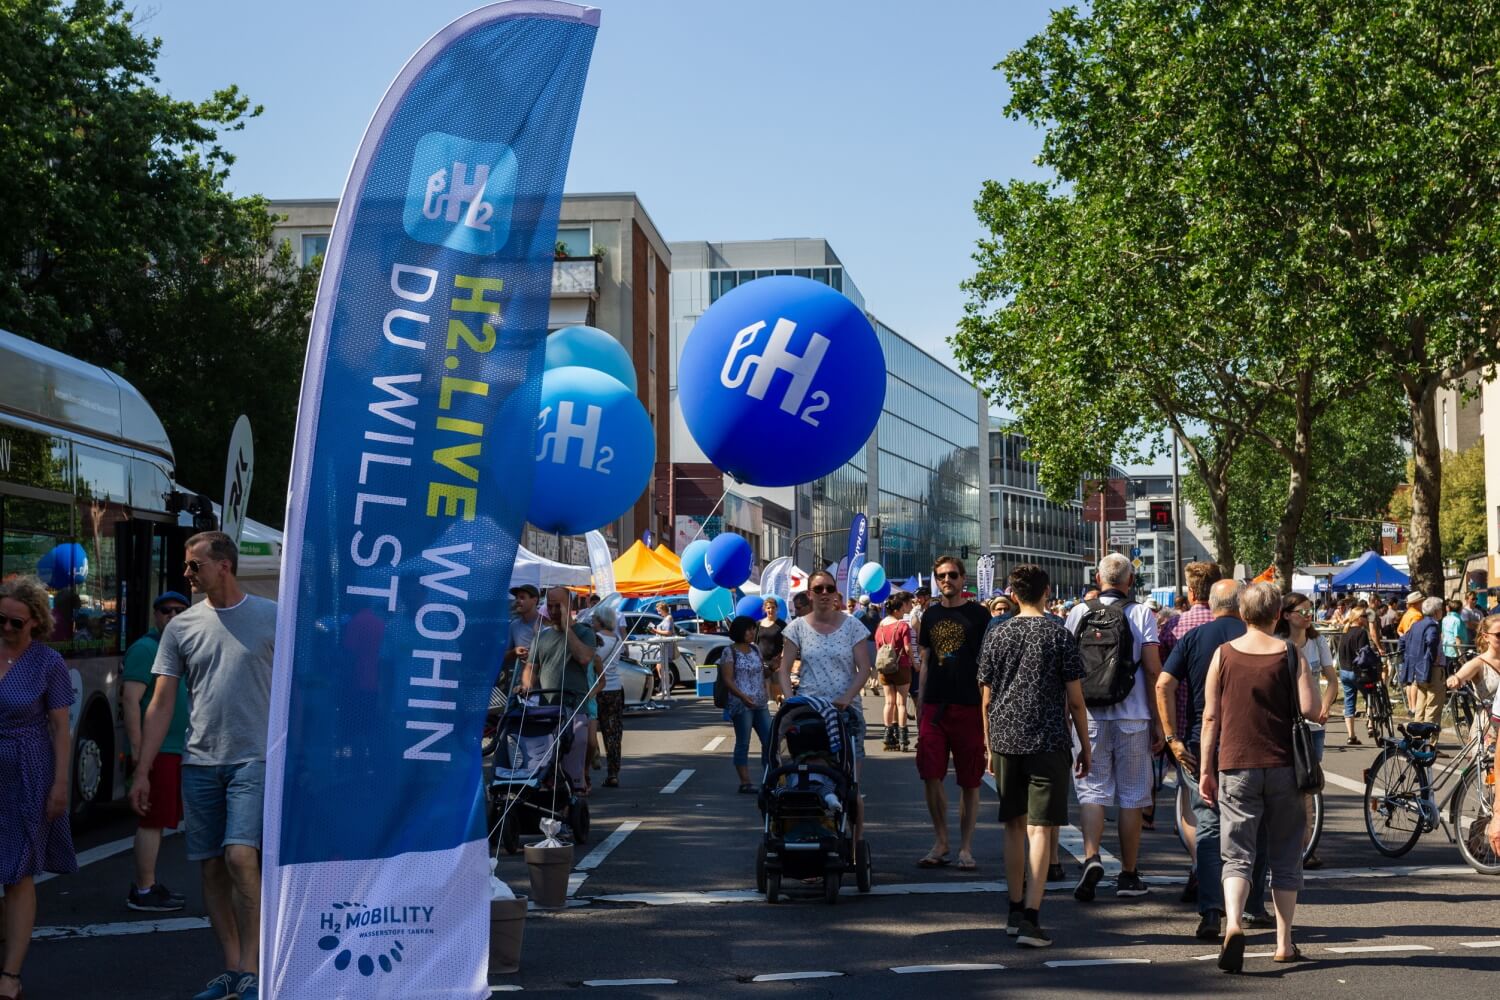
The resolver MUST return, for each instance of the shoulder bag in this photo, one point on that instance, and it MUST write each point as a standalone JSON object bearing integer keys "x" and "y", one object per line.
{"x": 1304, "y": 752}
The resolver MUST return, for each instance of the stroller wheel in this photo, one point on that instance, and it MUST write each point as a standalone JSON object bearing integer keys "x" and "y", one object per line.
{"x": 831, "y": 883}
{"x": 760, "y": 871}
{"x": 578, "y": 819}
{"x": 773, "y": 886}
{"x": 863, "y": 868}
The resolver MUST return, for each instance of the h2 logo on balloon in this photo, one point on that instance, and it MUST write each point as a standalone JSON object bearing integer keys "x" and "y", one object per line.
{"x": 777, "y": 357}
{"x": 569, "y": 430}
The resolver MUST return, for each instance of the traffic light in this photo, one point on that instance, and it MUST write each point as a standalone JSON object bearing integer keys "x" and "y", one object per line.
{"x": 1161, "y": 515}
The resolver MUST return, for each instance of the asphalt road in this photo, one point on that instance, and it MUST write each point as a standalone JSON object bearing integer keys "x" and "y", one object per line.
{"x": 673, "y": 901}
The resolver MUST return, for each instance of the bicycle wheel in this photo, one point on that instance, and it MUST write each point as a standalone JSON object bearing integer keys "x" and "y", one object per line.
{"x": 1315, "y": 825}
{"x": 1393, "y": 795}
{"x": 1382, "y": 726}
{"x": 1461, "y": 707}
{"x": 1473, "y": 807}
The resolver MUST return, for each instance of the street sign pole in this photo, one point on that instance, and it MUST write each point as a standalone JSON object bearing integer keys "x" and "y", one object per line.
{"x": 1176, "y": 523}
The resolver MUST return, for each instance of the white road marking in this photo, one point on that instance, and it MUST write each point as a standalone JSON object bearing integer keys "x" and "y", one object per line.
{"x": 100, "y": 853}
{"x": 1358, "y": 787}
{"x": 1364, "y": 949}
{"x": 782, "y": 977}
{"x": 630, "y": 982}
{"x": 1070, "y": 839}
{"x": 905, "y": 970}
{"x": 1248, "y": 954}
{"x": 120, "y": 928}
{"x": 1075, "y": 963}
{"x": 596, "y": 857}
{"x": 678, "y": 782}
{"x": 1479, "y": 944}
{"x": 504, "y": 989}
{"x": 575, "y": 881}
{"x": 713, "y": 744}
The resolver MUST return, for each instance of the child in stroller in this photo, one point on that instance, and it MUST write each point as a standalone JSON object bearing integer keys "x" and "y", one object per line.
{"x": 529, "y": 783}
{"x": 807, "y": 797}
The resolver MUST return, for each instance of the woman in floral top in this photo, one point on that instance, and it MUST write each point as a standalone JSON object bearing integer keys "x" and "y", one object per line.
{"x": 835, "y": 653}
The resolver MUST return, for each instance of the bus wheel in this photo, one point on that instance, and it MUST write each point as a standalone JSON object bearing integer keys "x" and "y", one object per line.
{"x": 92, "y": 756}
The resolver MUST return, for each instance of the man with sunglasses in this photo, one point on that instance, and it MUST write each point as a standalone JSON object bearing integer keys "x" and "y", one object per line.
{"x": 146, "y": 893}
{"x": 223, "y": 648}
{"x": 950, "y": 721}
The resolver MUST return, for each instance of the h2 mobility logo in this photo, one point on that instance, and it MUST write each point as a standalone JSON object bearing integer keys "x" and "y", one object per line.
{"x": 379, "y": 930}
{"x": 460, "y": 193}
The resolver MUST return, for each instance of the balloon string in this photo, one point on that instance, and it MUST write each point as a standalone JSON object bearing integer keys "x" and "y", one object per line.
{"x": 704, "y": 523}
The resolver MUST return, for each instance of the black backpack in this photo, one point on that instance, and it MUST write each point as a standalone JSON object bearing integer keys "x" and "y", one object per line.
{"x": 1367, "y": 667}
{"x": 1105, "y": 644}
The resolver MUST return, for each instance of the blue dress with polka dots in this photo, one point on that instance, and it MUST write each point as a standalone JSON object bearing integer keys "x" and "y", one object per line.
{"x": 30, "y": 844}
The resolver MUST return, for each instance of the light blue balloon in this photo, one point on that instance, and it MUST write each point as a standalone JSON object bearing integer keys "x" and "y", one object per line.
{"x": 728, "y": 560}
{"x": 712, "y": 605}
{"x": 693, "y": 567}
{"x": 595, "y": 451}
{"x": 751, "y": 606}
{"x": 871, "y": 577}
{"x": 590, "y": 347}
{"x": 796, "y": 361}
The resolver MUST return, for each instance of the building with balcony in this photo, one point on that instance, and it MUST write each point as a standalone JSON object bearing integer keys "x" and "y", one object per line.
{"x": 1027, "y": 527}
{"x": 611, "y": 271}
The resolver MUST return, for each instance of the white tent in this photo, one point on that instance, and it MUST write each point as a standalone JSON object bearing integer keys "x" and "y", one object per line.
{"x": 542, "y": 573}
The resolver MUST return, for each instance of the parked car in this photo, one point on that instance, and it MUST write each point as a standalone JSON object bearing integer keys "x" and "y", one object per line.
{"x": 693, "y": 644}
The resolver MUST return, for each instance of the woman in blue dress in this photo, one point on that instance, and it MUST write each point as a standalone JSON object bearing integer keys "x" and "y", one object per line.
{"x": 34, "y": 760}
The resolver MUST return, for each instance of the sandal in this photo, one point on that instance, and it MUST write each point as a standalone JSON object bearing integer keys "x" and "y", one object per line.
{"x": 967, "y": 865}
{"x": 18, "y": 993}
{"x": 1295, "y": 956}
{"x": 933, "y": 861}
{"x": 1232, "y": 953}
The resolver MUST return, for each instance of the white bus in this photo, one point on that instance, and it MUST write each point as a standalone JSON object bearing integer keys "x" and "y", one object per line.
{"x": 87, "y": 503}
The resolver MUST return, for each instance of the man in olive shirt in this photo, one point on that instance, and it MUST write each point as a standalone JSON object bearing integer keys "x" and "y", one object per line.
{"x": 559, "y": 661}
{"x": 146, "y": 893}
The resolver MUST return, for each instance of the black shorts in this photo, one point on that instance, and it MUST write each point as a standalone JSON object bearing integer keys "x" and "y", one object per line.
{"x": 1034, "y": 785}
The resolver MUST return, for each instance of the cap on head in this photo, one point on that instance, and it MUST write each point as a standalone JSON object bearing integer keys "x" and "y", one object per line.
{"x": 167, "y": 597}
{"x": 526, "y": 589}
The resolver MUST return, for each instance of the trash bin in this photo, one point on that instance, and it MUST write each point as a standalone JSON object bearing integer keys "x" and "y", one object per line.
{"x": 708, "y": 673}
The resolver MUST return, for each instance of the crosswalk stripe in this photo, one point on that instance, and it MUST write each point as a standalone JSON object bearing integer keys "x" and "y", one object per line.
{"x": 1365, "y": 949}
{"x": 908, "y": 970}
{"x": 784, "y": 977}
{"x": 677, "y": 782}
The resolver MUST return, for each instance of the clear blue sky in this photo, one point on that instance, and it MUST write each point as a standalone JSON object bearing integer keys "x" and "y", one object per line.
{"x": 872, "y": 124}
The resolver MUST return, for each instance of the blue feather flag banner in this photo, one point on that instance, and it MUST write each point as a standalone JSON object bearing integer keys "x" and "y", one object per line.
{"x": 410, "y": 481}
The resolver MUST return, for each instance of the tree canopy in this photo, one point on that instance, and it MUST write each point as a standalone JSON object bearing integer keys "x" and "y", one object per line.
{"x": 123, "y": 247}
{"x": 1261, "y": 210}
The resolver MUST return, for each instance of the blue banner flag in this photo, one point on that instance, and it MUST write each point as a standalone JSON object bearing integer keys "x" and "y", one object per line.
{"x": 854, "y": 558}
{"x": 410, "y": 482}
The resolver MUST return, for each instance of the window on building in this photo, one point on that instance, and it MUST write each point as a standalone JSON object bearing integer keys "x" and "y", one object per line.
{"x": 576, "y": 240}
{"x": 314, "y": 245}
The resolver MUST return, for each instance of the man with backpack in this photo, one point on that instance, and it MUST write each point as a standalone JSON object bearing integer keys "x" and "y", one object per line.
{"x": 1118, "y": 642}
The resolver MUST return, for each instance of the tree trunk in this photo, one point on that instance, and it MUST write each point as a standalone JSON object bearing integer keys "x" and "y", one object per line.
{"x": 1424, "y": 551}
{"x": 1218, "y": 496}
{"x": 1299, "y": 486}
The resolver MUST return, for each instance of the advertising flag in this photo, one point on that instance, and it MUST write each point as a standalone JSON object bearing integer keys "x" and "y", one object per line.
{"x": 239, "y": 468}
{"x": 410, "y": 480}
{"x": 859, "y": 540}
{"x": 601, "y": 564}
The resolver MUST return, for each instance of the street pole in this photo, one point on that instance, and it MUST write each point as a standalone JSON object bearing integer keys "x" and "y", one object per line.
{"x": 1176, "y": 523}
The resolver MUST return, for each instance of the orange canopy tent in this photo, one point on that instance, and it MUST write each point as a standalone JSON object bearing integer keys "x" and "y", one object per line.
{"x": 641, "y": 572}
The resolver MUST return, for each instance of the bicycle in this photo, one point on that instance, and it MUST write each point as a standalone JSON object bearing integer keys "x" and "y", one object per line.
{"x": 1401, "y": 800}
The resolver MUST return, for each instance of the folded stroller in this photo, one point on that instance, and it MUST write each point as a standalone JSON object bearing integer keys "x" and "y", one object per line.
{"x": 808, "y": 797}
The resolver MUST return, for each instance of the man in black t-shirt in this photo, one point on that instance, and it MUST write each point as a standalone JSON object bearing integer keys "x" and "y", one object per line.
{"x": 949, "y": 639}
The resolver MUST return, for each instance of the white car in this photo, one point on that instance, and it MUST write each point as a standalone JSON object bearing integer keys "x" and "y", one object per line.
{"x": 693, "y": 645}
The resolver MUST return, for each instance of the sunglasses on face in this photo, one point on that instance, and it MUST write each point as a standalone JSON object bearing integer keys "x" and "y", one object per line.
{"x": 15, "y": 623}
{"x": 171, "y": 610}
{"x": 193, "y": 566}
{"x": 825, "y": 589}
{"x": 950, "y": 576}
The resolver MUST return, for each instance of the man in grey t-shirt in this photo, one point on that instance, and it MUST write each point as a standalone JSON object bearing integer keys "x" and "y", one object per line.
{"x": 222, "y": 647}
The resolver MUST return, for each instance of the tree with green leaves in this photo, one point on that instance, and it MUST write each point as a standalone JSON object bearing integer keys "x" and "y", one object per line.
{"x": 1461, "y": 522}
{"x": 123, "y": 248}
{"x": 1306, "y": 192}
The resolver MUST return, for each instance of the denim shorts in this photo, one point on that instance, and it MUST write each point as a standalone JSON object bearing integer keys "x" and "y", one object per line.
{"x": 224, "y": 805}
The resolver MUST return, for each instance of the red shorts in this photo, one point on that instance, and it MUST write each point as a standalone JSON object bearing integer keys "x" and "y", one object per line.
{"x": 166, "y": 793}
{"x": 956, "y": 729}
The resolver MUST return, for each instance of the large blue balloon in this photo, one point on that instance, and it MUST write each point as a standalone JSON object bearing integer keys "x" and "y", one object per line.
{"x": 693, "y": 567}
{"x": 712, "y": 605}
{"x": 751, "y": 606}
{"x": 64, "y": 566}
{"x": 729, "y": 559}
{"x": 792, "y": 358}
{"x": 871, "y": 577}
{"x": 595, "y": 451}
{"x": 590, "y": 347}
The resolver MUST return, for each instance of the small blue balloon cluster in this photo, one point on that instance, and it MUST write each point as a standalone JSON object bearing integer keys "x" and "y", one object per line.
{"x": 595, "y": 448}
{"x": 713, "y": 569}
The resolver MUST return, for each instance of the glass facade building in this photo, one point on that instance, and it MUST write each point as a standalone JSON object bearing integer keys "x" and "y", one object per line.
{"x": 1025, "y": 526}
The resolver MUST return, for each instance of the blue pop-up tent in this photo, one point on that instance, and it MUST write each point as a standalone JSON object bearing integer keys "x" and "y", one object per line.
{"x": 1370, "y": 572}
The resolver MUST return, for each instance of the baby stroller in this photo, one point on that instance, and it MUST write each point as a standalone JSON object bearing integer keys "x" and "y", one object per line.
{"x": 529, "y": 783}
{"x": 808, "y": 797}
